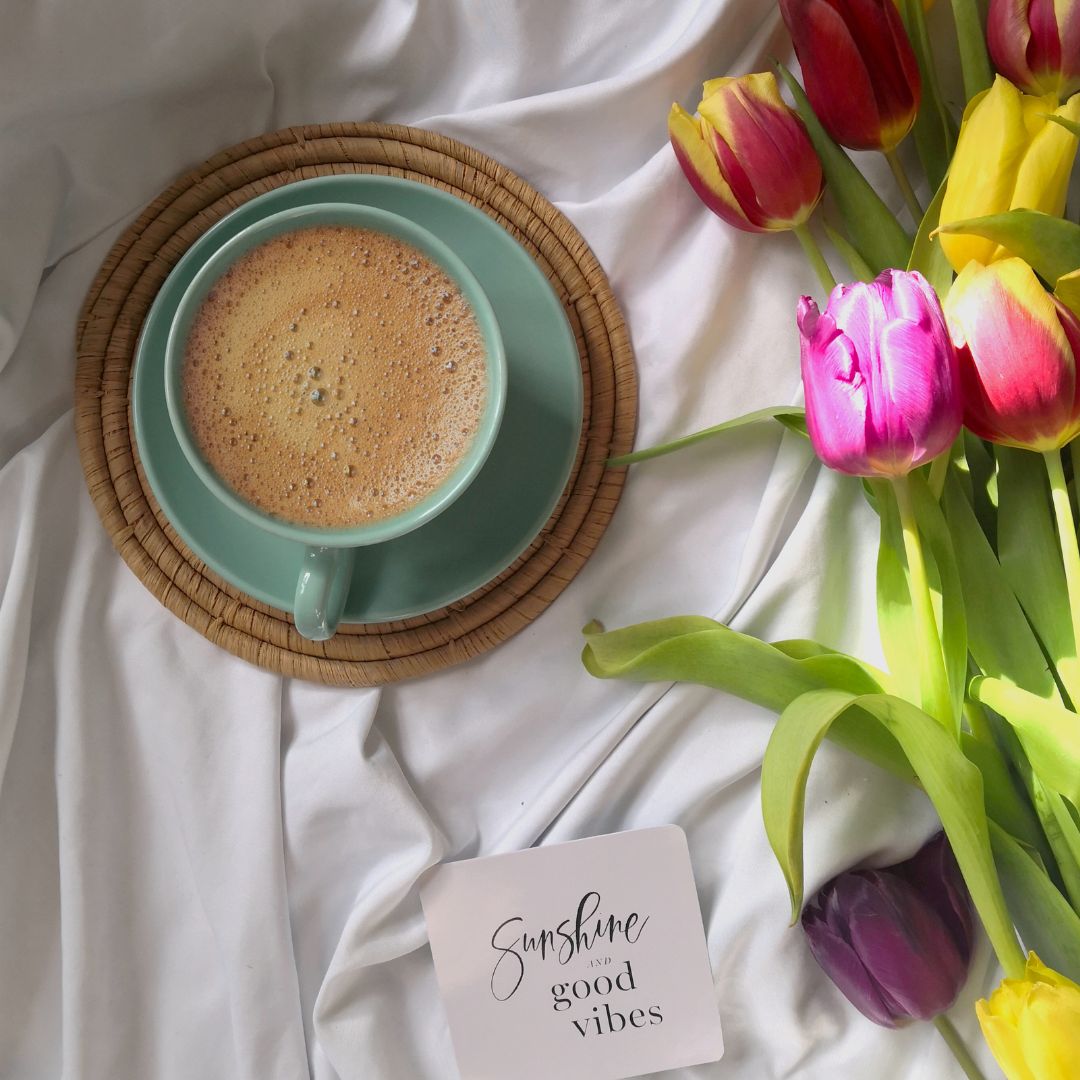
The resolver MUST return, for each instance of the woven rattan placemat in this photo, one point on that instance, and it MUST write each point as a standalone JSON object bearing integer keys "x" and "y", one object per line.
{"x": 371, "y": 654}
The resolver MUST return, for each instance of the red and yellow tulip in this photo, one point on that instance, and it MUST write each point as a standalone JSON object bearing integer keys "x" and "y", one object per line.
{"x": 1017, "y": 347}
{"x": 747, "y": 155}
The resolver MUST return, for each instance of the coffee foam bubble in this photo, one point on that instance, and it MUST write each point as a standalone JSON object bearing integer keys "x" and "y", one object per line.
{"x": 334, "y": 376}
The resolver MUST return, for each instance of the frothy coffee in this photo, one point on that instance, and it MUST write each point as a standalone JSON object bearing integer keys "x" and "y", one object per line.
{"x": 334, "y": 376}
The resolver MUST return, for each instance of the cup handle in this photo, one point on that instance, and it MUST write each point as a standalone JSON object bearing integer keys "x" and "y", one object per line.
{"x": 321, "y": 589}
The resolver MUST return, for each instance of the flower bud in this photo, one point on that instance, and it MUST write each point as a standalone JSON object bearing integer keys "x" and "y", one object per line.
{"x": 1036, "y": 45}
{"x": 1009, "y": 155}
{"x": 897, "y": 942}
{"x": 858, "y": 68}
{"x": 880, "y": 374}
{"x": 1017, "y": 347}
{"x": 747, "y": 155}
{"x": 1032, "y": 1024}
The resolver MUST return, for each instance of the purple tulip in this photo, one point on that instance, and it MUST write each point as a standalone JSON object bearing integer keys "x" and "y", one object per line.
{"x": 881, "y": 376}
{"x": 896, "y": 941}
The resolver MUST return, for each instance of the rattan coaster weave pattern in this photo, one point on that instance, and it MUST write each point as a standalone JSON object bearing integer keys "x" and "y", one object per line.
{"x": 108, "y": 329}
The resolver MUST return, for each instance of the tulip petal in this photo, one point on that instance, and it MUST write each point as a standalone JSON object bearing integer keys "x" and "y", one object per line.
{"x": 824, "y": 44}
{"x": 900, "y": 939}
{"x": 934, "y": 874}
{"x": 1004, "y": 1043}
{"x": 1042, "y": 178}
{"x": 993, "y": 141}
{"x": 841, "y": 963}
{"x": 1049, "y": 1033}
{"x": 702, "y": 171}
{"x": 920, "y": 379}
{"x": 1007, "y": 35}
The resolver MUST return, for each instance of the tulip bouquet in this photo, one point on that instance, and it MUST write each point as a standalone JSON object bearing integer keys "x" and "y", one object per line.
{"x": 942, "y": 372}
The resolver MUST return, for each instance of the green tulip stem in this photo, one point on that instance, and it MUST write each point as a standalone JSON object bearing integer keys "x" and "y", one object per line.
{"x": 902, "y": 182}
{"x": 815, "y": 258}
{"x": 934, "y": 688}
{"x": 1066, "y": 530}
{"x": 958, "y": 1047}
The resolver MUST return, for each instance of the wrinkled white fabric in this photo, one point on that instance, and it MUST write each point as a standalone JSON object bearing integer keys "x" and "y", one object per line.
{"x": 209, "y": 871}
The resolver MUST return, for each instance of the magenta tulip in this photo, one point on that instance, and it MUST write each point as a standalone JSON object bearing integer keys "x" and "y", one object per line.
{"x": 897, "y": 942}
{"x": 858, "y": 68}
{"x": 880, "y": 374}
{"x": 1035, "y": 44}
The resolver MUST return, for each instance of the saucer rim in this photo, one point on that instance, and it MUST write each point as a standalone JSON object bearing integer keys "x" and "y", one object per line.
{"x": 204, "y": 247}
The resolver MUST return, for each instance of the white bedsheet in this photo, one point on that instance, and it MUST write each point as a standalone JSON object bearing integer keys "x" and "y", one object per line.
{"x": 208, "y": 871}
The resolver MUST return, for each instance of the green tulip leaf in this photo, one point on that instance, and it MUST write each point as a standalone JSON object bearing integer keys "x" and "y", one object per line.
{"x": 946, "y": 589}
{"x": 1049, "y": 732}
{"x": 1000, "y": 639}
{"x": 952, "y": 782}
{"x": 699, "y": 650}
{"x": 856, "y": 263}
{"x": 897, "y": 625}
{"x": 1062, "y": 834}
{"x": 1006, "y": 803}
{"x": 971, "y": 37}
{"x": 1046, "y": 922}
{"x": 927, "y": 255}
{"x": 1031, "y": 559}
{"x": 1050, "y": 245}
{"x": 933, "y": 132}
{"x": 868, "y": 222}
{"x": 790, "y": 416}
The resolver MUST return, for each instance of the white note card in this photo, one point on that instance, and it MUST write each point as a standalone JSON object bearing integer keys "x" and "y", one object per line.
{"x": 582, "y": 961}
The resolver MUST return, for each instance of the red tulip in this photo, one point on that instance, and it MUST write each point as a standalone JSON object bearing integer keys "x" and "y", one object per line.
{"x": 858, "y": 68}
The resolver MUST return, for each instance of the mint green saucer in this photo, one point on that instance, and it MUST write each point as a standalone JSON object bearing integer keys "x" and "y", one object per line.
{"x": 513, "y": 495}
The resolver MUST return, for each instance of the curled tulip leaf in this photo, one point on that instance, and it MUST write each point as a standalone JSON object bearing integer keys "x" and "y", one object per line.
{"x": 1043, "y": 916}
{"x": 1049, "y": 244}
{"x": 952, "y": 782}
{"x": 790, "y": 416}
{"x": 700, "y": 650}
{"x": 870, "y": 225}
{"x": 1048, "y": 731}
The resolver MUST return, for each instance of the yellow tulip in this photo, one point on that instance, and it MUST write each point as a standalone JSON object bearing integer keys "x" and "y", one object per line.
{"x": 1033, "y": 1024}
{"x": 1008, "y": 156}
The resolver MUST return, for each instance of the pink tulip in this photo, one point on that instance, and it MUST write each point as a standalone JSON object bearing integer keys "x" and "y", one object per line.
{"x": 1017, "y": 347}
{"x": 881, "y": 378}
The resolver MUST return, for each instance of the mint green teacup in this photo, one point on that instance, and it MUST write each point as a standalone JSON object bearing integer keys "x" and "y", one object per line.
{"x": 325, "y": 568}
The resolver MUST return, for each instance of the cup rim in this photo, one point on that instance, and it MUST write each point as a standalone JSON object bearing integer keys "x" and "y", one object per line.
{"x": 359, "y": 215}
